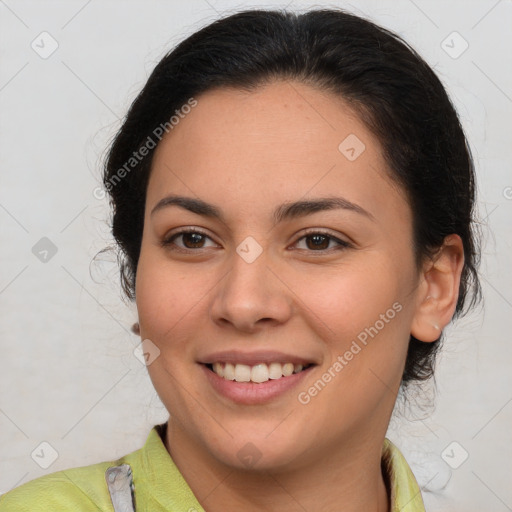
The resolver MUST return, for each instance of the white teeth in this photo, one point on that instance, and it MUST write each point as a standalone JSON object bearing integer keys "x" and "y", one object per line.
{"x": 229, "y": 371}
{"x": 242, "y": 373}
{"x": 217, "y": 368}
{"x": 257, "y": 373}
{"x": 287, "y": 369}
{"x": 275, "y": 371}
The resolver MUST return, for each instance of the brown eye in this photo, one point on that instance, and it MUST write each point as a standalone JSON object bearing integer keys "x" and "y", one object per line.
{"x": 317, "y": 241}
{"x": 188, "y": 240}
{"x": 193, "y": 240}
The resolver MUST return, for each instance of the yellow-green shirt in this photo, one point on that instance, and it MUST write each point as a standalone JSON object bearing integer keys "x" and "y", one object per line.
{"x": 159, "y": 485}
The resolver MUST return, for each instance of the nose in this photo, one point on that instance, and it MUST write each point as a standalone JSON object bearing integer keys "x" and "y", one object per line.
{"x": 251, "y": 296}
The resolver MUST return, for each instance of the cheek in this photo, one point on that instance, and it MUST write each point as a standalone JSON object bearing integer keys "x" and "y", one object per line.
{"x": 169, "y": 304}
{"x": 167, "y": 297}
{"x": 361, "y": 316}
{"x": 346, "y": 299}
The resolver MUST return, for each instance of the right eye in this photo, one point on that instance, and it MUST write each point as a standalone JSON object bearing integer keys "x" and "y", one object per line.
{"x": 188, "y": 239}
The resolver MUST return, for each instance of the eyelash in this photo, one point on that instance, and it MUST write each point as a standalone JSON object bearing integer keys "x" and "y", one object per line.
{"x": 169, "y": 241}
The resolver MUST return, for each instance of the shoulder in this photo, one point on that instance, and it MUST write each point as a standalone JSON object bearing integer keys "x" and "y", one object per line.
{"x": 77, "y": 489}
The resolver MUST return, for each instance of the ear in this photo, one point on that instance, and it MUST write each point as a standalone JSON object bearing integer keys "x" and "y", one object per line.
{"x": 438, "y": 290}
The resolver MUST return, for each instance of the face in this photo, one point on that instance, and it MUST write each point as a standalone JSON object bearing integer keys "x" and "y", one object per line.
{"x": 274, "y": 242}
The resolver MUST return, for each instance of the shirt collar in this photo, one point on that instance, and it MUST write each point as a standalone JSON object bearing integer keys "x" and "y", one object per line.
{"x": 405, "y": 494}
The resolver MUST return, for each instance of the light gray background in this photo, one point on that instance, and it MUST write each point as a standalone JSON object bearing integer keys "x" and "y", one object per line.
{"x": 68, "y": 375}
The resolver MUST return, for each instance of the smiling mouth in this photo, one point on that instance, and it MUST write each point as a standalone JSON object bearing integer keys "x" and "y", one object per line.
{"x": 258, "y": 373}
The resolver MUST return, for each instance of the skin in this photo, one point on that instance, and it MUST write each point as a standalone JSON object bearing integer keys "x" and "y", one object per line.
{"x": 247, "y": 153}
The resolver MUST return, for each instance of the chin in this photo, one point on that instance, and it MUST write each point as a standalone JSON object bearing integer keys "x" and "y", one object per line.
{"x": 255, "y": 458}
{"x": 258, "y": 450}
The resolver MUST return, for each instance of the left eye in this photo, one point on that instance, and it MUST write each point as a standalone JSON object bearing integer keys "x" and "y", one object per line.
{"x": 320, "y": 242}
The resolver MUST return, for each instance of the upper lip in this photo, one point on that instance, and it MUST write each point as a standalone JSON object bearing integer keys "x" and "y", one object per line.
{"x": 253, "y": 358}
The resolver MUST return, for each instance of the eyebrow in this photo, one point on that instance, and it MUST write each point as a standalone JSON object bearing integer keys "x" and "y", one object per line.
{"x": 286, "y": 211}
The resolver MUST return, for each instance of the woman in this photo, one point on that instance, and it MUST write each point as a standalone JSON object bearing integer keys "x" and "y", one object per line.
{"x": 293, "y": 199}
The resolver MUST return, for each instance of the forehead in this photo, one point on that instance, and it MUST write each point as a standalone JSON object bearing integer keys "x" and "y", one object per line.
{"x": 282, "y": 141}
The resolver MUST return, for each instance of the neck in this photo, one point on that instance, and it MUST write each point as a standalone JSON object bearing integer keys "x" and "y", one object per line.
{"x": 349, "y": 477}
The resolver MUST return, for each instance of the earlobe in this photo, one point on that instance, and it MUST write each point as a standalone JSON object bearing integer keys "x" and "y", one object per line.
{"x": 439, "y": 290}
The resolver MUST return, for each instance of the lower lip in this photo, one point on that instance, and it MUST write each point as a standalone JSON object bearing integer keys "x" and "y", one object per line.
{"x": 251, "y": 393}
